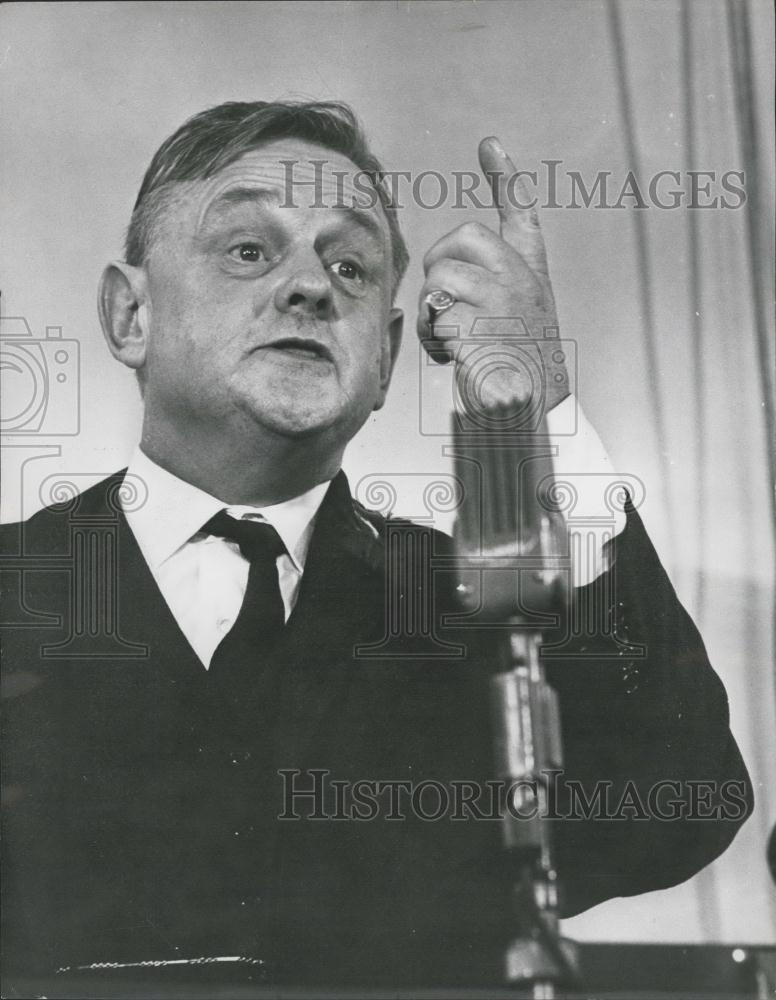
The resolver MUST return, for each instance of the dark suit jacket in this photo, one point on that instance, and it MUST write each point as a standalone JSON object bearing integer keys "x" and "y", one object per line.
{"x": 142, "y": 807}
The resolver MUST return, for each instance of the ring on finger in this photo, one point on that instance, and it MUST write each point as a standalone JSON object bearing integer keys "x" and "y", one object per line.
{"x": 439, "y": 301}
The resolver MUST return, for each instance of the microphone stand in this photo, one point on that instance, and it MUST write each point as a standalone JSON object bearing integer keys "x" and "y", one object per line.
{"x": 527, "y": 750}
{"x": 515, "y": 579}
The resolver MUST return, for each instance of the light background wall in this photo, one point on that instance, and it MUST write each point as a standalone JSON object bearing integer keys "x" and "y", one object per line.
{"x": 89, "y": 90}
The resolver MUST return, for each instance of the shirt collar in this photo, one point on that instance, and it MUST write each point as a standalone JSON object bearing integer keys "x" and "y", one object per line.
{"x": 174, "y": 511}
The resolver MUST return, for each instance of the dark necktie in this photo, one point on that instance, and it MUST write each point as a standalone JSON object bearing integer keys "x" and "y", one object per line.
{"x": 240, "y": 663}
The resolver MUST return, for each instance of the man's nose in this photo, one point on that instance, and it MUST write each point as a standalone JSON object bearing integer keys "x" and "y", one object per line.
{"x": 307, "y": 292}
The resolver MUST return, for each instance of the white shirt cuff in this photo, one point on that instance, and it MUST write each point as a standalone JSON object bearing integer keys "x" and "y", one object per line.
{"x": 592, "y": 491}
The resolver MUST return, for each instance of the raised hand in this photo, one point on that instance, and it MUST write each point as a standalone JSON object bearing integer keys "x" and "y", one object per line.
{"x": 502, "y": 330}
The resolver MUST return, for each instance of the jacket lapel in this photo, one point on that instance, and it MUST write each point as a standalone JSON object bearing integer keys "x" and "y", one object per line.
{"x": 144, "y": 623}
{"x": 340, "y": 605}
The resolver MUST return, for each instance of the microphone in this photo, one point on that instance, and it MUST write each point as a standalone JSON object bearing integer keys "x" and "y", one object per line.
{"x": 514, "y": 576}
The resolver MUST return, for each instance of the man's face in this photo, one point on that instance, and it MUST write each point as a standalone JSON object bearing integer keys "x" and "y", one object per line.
{"x": 265, "y": 311}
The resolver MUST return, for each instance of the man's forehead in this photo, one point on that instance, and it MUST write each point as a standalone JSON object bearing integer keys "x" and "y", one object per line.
{"x": 292, "y": 174}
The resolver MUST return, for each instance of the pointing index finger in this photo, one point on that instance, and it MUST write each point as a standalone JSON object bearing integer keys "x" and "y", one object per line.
{"x": 519, "y": 221}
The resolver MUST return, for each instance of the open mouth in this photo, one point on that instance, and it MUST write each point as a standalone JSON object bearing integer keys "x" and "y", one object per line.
{"x": 303, "y": 348}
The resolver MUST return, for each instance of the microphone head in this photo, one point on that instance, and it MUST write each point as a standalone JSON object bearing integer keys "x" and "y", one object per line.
{"x": 512, "y": 547}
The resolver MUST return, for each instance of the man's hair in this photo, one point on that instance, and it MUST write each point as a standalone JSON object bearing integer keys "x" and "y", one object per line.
{"x": 213, "y": 139}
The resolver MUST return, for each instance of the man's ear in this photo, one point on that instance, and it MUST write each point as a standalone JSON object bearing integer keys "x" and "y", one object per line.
{"x": 390, "y": 352}
{"x": 124, "y": 309}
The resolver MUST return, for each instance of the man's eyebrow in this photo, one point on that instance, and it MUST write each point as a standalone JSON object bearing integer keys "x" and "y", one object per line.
{"x": 364, "y": 218}
{"x": 244, "y": 195}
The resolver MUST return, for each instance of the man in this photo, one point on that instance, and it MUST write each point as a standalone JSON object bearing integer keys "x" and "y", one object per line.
{"x": 144, "y": 783}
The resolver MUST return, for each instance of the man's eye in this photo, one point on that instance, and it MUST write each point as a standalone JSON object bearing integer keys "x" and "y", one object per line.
{"x": 249, "y": 253}
{"x": 347, "y": 270}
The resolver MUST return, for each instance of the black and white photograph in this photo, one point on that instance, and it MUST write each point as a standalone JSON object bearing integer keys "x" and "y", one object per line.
{"x": 388, "y": 543}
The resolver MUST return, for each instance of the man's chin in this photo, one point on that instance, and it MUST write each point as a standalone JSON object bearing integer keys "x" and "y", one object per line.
{"x": 295, "y": 422}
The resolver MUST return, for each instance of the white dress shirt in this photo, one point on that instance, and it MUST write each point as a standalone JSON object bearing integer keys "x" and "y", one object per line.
{"x": 203, "y": 578}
